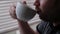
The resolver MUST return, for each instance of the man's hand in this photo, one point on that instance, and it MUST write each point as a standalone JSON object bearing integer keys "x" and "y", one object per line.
{"x": 13, "y": 10}
{"x": 23, "y": 26}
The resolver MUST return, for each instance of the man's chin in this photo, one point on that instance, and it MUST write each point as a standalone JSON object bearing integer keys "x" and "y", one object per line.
{"x": 46, "y": 18}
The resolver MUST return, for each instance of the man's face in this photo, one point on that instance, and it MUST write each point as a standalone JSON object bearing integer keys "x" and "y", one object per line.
{"x": 49, "y": 11}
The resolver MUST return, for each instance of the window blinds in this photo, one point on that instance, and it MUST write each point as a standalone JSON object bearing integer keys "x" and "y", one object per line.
{"x": 6, "y": 22}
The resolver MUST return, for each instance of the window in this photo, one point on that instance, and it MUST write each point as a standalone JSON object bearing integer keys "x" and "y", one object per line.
{"x": 6, "y": 22}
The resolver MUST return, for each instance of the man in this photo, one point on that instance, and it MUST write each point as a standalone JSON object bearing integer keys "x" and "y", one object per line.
{"x": 49, "y": 12}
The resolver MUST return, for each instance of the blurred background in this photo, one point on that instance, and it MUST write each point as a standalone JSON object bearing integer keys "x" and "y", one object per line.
{"x": 9, "y": 25}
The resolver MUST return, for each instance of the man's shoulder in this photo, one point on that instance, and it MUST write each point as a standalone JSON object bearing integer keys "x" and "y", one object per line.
{"x": 41, "y": 26}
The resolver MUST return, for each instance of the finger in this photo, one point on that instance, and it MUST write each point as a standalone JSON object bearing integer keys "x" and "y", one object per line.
{"x": 13, "y": 7}
{"x": 14, "y": 4}
{"x": 13, "y": 12}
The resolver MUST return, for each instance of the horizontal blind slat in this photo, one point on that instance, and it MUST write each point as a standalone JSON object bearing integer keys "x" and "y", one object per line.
{"x": 2, "y": 24}
{"x": 4, "y": 17}
{"x": 6, "y": 22}
{"x": 4, "y": 14}
{"x": 8, "y": 25}
{"x": 9, "y": 29}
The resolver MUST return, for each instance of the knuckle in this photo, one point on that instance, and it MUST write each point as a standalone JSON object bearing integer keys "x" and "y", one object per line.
{"x": 12, "y": 11}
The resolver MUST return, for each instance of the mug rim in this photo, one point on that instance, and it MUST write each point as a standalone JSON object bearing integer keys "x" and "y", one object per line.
{"x": 25, "y": 5}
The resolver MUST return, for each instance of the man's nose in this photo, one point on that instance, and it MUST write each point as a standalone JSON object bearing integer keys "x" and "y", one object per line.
{"x": 37, "y": 3}
{"x": 24, "y": 2}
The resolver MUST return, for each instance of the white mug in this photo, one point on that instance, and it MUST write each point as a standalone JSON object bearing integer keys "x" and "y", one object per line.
{"x": 23, "y": 12}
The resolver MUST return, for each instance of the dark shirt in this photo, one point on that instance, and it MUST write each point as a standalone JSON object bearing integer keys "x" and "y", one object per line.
{"x": 47, "y": 28}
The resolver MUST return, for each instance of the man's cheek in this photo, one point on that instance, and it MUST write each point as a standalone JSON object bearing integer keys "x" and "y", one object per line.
{"x": 43, "y": 4}
{"x": 46, "y": 4}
